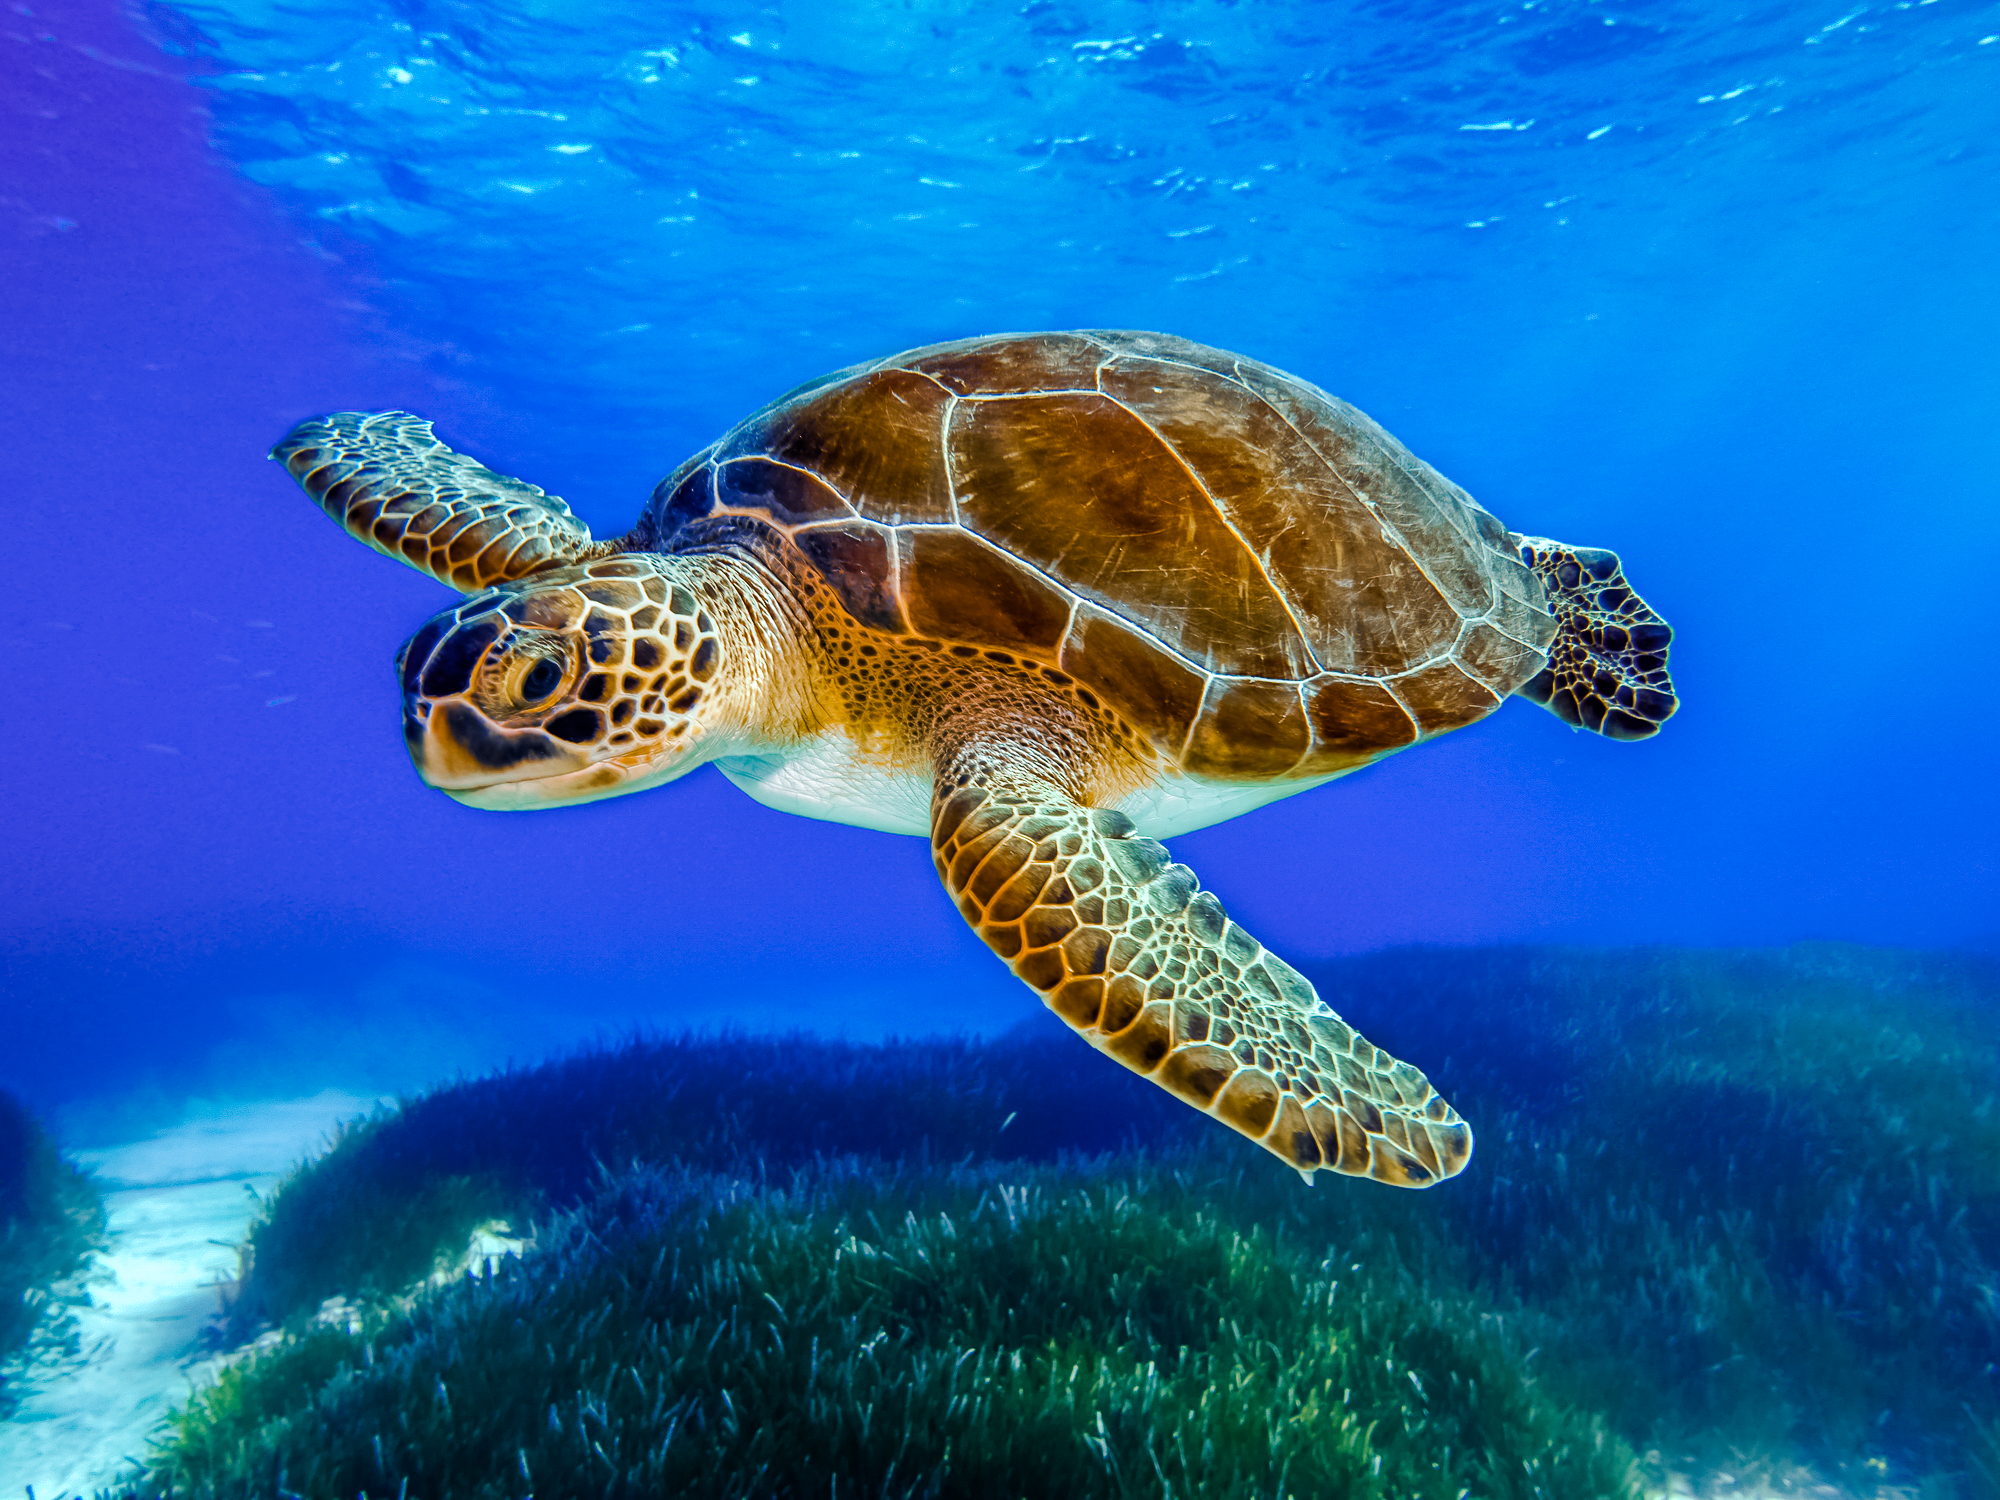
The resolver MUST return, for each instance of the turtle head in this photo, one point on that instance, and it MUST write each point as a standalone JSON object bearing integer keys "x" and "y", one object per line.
{"x": 569, "y": 686}
{"x": 572, "y": 670}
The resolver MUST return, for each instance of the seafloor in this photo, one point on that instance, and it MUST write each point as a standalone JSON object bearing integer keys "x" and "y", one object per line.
{"x": 1733, "y": 1227}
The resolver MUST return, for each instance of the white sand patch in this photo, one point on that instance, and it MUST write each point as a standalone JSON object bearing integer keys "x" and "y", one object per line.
{"x": 1789, "y": 1482}
{"x": 179, "y": 1202}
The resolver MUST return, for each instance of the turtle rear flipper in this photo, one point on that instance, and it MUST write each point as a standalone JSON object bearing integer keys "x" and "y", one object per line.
{"x": 1607, "y": 668}
{"x": 390, "y": 482}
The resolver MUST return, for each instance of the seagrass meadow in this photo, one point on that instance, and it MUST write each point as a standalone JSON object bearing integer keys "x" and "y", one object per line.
{"x": 51, "y": 1224}
{"x": 1730, "y": 1210}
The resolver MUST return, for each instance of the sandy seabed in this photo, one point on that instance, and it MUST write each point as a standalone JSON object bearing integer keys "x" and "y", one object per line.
{"x": 179, "y": 1203}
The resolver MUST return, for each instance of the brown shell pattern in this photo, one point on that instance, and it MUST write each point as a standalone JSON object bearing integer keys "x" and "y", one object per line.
{"x": 1259, "y": 577}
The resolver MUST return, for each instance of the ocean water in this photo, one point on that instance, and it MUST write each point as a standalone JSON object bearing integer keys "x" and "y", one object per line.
{"x": 1710, "y": 286}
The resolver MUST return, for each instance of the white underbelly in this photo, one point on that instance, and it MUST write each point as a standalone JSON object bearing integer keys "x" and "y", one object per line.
{"x": 832, "y": 778}
{"x": 1178, "y": 804}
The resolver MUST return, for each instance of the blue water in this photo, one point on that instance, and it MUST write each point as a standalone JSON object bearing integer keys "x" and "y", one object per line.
{"x": 1711, "y": 288}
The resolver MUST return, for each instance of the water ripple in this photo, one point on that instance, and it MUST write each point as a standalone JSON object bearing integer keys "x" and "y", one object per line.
{"x": 598, "y": 178}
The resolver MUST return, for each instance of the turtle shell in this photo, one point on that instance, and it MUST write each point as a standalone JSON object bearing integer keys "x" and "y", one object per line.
{"x": 1257, "y": 576}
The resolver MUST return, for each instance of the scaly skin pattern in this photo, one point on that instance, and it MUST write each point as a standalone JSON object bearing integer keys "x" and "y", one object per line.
{"x": 1125, "y": 948}
{"x": 1607, "y": 667}
{"x": 592, "y": 680}
{"x": 907, "y": 699}
{"x": 390, "y": 482}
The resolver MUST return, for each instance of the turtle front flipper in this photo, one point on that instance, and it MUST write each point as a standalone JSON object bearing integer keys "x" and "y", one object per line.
{"x": 395, "y": 486}
{"x": 1607, "y": 668}
{"x": 1125, "y": 948}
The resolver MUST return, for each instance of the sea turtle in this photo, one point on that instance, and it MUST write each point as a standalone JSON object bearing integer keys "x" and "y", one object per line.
{"x": 1043, "y": 598}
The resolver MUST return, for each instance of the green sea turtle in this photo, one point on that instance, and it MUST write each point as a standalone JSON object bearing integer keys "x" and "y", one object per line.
{"x": 1043, "y": 598}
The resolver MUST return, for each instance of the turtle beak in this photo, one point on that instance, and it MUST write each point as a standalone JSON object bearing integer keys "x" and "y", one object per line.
{"x": 457, "y": 749}
{"x": 454, "y": 746}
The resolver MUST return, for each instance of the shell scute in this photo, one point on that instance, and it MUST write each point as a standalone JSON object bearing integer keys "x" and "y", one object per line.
{"x": 1444, "y": 696}
{"x": 1361, "y": 601}
{"x": 683, "y": 496}
{"x": 1496, "y": 658}
{"x": 791, "y": 496}
{"x": 1085, "y": 491}
{"x": 1354, "y": 721}
{"x": 1250, "y": 727}
{"x": 1138, "y": 344}
{"x": 1524, "y": 615}
{"x": 1011, "y": 364}
{"x": 955, "y": 585}
{"x": 1430, "y": 515}
{"x": 874, "y": 439}
{"x": 1157, "y": 692}
{"x": 855, "y": 560}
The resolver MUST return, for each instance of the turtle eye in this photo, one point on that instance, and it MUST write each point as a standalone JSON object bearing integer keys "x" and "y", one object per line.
{"x": 543, "y": 678}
